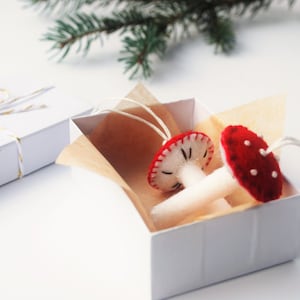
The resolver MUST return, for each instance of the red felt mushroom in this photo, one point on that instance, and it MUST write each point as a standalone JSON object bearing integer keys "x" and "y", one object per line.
{"x": 180, "y": 160}
{"x": 247, "y": 163}
{"x": 254, "y": 169}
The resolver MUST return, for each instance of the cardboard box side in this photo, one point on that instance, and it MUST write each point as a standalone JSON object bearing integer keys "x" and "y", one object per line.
{"x": 206, "y": 252}
{"x": 9, "y": 162}
{"x": 180, "y": 110}
{"x": 122, "y": 239}
{"x": 42, "y": 148}
{"x": 176, "y": 260}
{"x": 278, "y": 238}
{"x": 38, "y": 150}
{"x": 88, "y": 123}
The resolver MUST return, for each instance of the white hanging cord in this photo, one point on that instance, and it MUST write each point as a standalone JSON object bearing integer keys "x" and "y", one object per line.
{"x": 137, "y": 118}
{"x": 165, "y": 134}
{"x": 285, "y": 141}
{"x": 156, "y": 117}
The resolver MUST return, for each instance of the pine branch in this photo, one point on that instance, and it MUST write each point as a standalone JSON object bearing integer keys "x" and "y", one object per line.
{"x": 61, "y": 6}
{"x": 84, "y": 29}
{"x": 147, "y": 26}
{"x": 219, "y": 32}
{"x": 145, "y": 42}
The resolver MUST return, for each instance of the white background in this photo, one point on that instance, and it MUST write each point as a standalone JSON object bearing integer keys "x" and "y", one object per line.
{"x": 265, "y": 62}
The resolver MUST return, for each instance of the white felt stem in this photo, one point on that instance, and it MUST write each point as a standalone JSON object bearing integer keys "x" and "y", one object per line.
{"x": 217, "y": 185}
{"x": 191, "y": 174}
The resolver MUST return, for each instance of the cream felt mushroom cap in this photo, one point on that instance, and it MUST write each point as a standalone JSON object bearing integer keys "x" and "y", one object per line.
{"x": 192, "y": 147}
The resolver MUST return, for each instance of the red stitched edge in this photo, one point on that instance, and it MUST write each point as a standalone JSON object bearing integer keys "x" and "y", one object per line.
{"x": 167, "y": 146}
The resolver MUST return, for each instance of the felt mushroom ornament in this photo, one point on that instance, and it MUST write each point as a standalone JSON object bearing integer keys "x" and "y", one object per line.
{"x": 181, "y": 159}
{"x": 248, "y": 162}
{"x": 180, "y": 162}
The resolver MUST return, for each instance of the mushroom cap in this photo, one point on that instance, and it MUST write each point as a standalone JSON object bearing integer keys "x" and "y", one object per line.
{"x": 191, "y": 146}
{"x": 244, "y": 153}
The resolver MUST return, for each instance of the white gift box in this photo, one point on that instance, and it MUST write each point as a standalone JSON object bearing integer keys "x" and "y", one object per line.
{"x": 200, "y": 253}
{"x": 31, "y": 140}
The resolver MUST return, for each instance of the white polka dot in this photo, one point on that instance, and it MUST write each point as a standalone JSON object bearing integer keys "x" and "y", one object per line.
{"x": 247, "y": 143}
{"x": 253, "y": 172}
{"x": 274, "y": 174}
{"x": 262, "y": 152}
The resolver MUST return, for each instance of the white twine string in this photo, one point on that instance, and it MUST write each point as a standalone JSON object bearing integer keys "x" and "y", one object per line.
{"x": 17, "y": 140}
{"x": 6, "y": 108}
{"x": 7, "y": 103}
{"x": 156, "y": 129}
{"x": 165, "y": 133}
{"x": 284, "y": 141}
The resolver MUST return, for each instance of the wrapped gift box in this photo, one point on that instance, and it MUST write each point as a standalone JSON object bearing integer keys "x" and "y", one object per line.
{"x": 206, "y": 249}
{"x": 31, "y": 140}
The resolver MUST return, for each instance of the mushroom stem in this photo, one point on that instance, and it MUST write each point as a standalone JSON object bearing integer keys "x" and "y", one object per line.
{"x": 217, "y": 185}
{"x": 190, "y": 174}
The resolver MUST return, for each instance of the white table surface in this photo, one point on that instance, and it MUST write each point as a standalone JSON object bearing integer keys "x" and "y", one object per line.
{"x": 36, "y": 213}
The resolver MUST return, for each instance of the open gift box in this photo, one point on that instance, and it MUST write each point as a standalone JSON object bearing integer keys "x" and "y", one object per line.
{"x": 198, "y": 251}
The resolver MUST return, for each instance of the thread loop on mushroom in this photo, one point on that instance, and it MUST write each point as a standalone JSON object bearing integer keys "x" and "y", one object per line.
{"x": 285, "y": 141}
{"x": 165, "y": 133}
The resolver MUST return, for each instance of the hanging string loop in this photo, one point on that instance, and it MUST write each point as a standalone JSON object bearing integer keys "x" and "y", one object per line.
{"x": 284, "y": 141}
{"x": 164, "y": 133}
